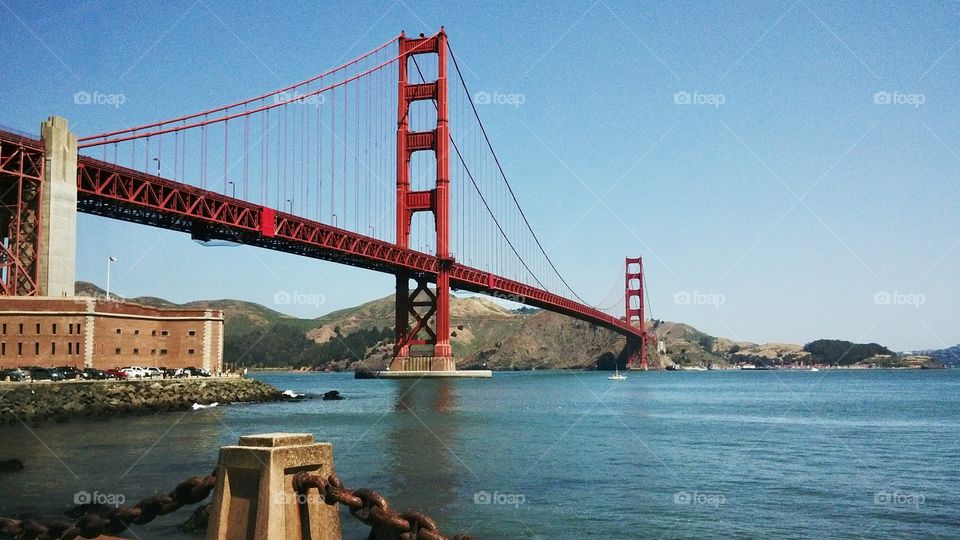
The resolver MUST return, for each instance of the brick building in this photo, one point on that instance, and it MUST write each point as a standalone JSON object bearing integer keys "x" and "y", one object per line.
{"x": 89, "y": 332}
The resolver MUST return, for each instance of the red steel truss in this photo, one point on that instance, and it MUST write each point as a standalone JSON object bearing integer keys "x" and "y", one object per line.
{"x": 21, "y": 181}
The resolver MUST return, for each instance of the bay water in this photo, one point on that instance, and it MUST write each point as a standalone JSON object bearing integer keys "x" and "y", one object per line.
{"x": 717, "y": 454}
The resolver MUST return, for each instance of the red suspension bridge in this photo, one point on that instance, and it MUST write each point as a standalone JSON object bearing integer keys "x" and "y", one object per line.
{"x": 322, "y": 169}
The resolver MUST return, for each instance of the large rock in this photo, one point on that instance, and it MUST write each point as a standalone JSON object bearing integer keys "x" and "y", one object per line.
{"x": 11, "y": 465}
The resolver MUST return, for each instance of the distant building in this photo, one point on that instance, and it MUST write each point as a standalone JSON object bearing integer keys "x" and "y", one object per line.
{"x": 94, "y": 332}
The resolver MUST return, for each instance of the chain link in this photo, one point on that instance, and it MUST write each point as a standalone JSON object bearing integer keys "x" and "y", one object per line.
{"x": 364, "y": 504}
{"x": 372, "y": 509}
{"x": 91, "y": 524}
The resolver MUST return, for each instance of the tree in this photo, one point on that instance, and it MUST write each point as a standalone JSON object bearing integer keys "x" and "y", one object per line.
{"x": 837, "y": 352}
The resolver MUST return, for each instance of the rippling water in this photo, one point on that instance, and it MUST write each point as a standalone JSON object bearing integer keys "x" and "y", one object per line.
{"x": 567, "y": 454}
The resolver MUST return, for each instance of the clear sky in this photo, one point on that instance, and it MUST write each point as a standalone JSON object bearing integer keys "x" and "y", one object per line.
{"x": 789, "y": 170}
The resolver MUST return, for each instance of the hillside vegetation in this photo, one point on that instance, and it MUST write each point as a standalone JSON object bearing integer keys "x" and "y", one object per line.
{"x": 486, "y": 335}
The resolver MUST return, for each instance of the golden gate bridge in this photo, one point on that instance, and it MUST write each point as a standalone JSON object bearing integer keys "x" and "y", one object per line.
{"x": 381, "y": 163}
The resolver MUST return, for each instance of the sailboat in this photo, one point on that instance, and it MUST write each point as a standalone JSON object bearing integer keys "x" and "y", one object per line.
{"x": 617, "y": 376}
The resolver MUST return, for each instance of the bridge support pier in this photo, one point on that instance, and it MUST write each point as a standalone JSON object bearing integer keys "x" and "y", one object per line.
{"x": 58, "y": 233}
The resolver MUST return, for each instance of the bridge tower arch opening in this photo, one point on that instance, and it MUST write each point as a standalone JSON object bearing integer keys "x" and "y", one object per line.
{"x": 422, "y": 323}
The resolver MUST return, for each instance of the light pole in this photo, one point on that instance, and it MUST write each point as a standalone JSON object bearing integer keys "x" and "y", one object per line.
{"x": 334, "y": 220}
{"x": 233, "y": 189}
{"x": 110, "y": 260}
{"x": 290, "y": 201}
{"x": 158, "y": 165}
{"x": 372, "y": 232}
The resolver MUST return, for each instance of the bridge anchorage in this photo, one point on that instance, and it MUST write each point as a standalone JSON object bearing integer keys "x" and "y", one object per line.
{"x": 308, "y": 169}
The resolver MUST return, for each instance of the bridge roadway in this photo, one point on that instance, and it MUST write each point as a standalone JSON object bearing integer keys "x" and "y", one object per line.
{"x": 118, "y": 192}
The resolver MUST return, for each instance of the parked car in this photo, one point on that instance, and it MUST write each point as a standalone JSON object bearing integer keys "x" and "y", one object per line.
{"x": 45, "y": 374}
{"x": 197, "y": 372}
{"x": 176, "y": 373}
{"x": 154, "y": 372}
{"x": 14, "y": 374}
{"x": 116, "y": 374}
{"x": 134, "y": 372}
{"x": 70, "y": 373}
{"x": 94, "y": 374}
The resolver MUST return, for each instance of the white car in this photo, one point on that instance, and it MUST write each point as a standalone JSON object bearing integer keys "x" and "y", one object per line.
{"x": 154, "y": 372}
{"x": 134, "y": 372}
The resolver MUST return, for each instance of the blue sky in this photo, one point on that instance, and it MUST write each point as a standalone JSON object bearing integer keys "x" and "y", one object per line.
{"x": 788, "y": 170}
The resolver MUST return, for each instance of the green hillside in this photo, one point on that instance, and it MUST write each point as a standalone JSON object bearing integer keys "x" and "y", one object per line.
{"x": 484, "y": 334}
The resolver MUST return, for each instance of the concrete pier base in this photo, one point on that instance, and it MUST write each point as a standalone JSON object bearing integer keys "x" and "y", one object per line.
{"x": 423, "y": 367}
{"x": 255, "y": 499}
{"x": 423, "y": 363}
{"x": 462, "y": 374}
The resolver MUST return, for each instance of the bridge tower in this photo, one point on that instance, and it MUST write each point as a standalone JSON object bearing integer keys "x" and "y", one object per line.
{"x": 423, "y": 304}
{"x": 633, "y": 299}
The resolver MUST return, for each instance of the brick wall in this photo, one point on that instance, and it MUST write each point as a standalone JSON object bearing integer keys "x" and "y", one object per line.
{"x": 86, "y": 332}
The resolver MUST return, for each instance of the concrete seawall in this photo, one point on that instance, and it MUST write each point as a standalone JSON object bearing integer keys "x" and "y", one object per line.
{"x": 43, "y": 401}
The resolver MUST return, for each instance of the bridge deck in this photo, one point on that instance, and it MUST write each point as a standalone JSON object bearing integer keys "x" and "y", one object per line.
{"x": 118, "y": 192}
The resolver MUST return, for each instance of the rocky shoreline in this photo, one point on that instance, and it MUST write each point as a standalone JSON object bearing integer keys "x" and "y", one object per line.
{"x": 43, "y": 401}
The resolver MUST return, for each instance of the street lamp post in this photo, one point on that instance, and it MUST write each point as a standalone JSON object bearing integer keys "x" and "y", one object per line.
{"x": 334, "y": 220}
{"x": 233, "y": 189}
{"x": 158, "y": 165}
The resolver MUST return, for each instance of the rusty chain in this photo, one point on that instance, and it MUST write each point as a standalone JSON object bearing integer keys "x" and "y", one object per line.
{"x": 91, "y": 521}
{"x": 372, "y": 508}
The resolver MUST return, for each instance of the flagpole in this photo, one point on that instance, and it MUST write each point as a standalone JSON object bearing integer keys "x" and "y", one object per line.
{"x": 110, "y": 260}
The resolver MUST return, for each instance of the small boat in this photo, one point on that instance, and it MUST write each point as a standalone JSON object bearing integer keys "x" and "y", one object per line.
{"x": 617, "y": 376}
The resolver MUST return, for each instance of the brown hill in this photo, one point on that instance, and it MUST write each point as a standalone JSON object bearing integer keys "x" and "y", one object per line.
{"x": 548, "y": 340}
{"x": 486, "y": 334}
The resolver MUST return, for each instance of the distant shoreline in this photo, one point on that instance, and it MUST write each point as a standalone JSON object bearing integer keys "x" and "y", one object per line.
{"x": 253, "y": 371}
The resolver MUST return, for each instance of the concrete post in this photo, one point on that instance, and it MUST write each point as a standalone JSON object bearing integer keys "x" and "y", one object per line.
{"x": 58, "y": 210}
{"x": 254, "y": 497}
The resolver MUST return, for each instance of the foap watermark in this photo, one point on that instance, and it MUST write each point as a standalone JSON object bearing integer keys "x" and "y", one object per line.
{"x": 697, "y": 498}
{"x": 697, "y": 298}
{"x": 898, "y": 499}
{"x": 898, "y": 98}
{"x": 296, "y": 298}
{"x": 99, "y": 98}
{"x": 109, "y": 499}
{"x": 518, "y": 298}
{"x": 497, "y": 98}
{"x": 300, "y": 99}
{"x": 507, "y": 499}
{"x": 696, "y": 97}
{"x": 897, "y": 298}
{"x": 288, "y": 498}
